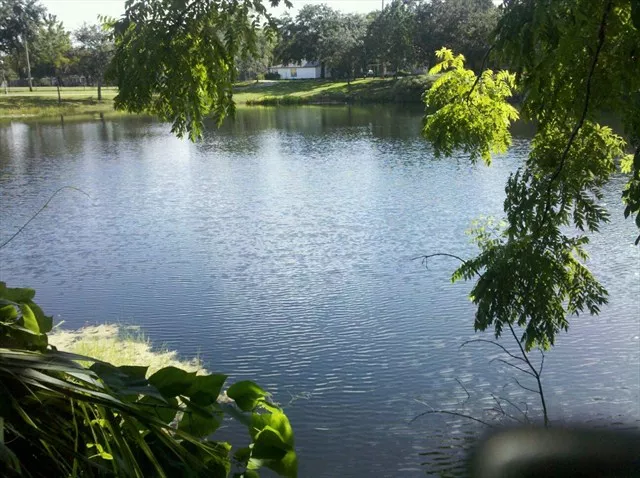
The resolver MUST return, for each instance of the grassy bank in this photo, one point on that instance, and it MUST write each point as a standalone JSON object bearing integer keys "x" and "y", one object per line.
{"x": 43, "y": 101}
{"x": 120, "y": 346}
{"x": 303, "y": 92}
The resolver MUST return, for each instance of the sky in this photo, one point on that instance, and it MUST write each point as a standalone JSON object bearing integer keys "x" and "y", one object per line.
{"x": 74, "y": 12}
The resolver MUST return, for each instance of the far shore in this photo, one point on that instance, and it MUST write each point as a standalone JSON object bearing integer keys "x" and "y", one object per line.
{"x": 43, "y": 101}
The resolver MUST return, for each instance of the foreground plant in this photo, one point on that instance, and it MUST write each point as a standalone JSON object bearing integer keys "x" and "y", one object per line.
{"x": 60, "y": 417}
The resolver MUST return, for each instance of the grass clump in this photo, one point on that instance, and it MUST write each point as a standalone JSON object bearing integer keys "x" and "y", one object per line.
{"x": 120, "y": 345}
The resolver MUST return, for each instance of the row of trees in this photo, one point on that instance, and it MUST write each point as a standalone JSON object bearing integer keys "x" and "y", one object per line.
{"x": 33, "y": 43}
{"x": 402, "y": 36}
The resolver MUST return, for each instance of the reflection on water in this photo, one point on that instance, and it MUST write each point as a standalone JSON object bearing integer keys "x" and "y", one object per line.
{"x": 280, "y": 249}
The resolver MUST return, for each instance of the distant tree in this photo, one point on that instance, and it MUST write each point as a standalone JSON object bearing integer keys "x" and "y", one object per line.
{"x": 19, "y": 22}
{"x": 345, "y": 52}
{"x": 51, "y": 48}
{"x": 253, "y": 63}
{"x": 309, "y": 37}
{"x": 390, "y": 36}
{"x": 94, "y": 52}
{"x": 464, "y": 26}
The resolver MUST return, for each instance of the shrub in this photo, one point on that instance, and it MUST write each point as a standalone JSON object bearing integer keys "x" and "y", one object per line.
{"x": 62, "y": 417}
{"x": 272, "y": 76}
{"x": 411, "y": 88}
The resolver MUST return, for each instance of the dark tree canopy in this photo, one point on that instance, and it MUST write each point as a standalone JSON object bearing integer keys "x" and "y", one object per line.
{"x": 19, "y": 19}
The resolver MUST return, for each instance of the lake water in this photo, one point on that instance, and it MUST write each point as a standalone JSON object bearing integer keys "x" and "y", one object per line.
{"x": 280, "y": 249}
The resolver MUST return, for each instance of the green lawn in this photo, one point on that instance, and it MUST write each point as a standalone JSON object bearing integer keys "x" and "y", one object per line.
{"x": 369, "y": 90}
{"x": 43, "y": 101}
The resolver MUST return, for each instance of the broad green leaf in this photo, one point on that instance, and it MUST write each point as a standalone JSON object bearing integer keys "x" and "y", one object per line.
{"x": 29, "y": 319}
{"x": 8, "y": 313}
{"x": 246, "y": 394}
{"x": 269, "y": 445}
{"x": 205, "y": 389}
{"x": 165, "y": 409}
{"x": 200, "y": 421}
{"x": 276, "y": 420}
{"x": 138, "y": 373}
{"x": 18, "y": 295}
{"x": 172, "y": 381}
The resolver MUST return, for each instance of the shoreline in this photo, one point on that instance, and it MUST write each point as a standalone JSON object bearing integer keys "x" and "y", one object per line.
{"x": 19, "y": 103}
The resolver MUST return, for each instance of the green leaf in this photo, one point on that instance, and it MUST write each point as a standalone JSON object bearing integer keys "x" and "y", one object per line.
{"x": 205, "y": 389}
{"x": 172, "y": 381}
{"x": 246, "y": 394}
{"x": 276, "y": 420}
{"x": 18, "y": 295}
{"x": 29, "y": 319}
{"x": 165, "y": 410}
{"x": 200, "y": 421}
{"x": 269, "y": 445}
{"x": 135, "y": 372}
{"x": 8, "y": 313}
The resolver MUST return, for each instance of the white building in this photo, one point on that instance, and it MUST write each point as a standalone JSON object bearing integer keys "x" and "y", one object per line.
{"x": 301, "y": 71}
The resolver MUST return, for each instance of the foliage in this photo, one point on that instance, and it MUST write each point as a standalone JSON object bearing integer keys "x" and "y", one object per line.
{"x": 464, "y": 111}
{"x": 51, "y": 47}
{"x": 464, "y": 26}
{"x": 272, "y": 76}
{"x": 573, "y": 59}
{"x": 253, "y": 64}
{"x": 19, "y": 20}
{"x": 345, "y": 53}
{"x": 308, "y": 37}
{"x": 95, "y": 51}
{"x": 196, "y": 78}
{"x": 391, "y": 35}
{"x": 61, "y": 418}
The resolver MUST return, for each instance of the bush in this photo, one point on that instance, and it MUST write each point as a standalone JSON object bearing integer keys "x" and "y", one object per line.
{"x": 272, "y": 76}
{"x": 411, "y": 88}
{"x": 69, "y": 415}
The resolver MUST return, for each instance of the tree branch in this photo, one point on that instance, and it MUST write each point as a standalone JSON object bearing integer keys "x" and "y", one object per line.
{"x": 513, "y": 365}
{"x": 39, "y": 211}
{"x": 455, "y": 414}
{"x": 583, "y": 116}
{"x": 425, "y": 258}
{"x": 496, "y": 344}
{"x": 536, "y": 374}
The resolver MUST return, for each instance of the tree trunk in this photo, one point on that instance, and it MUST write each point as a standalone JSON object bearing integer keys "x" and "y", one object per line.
{"x": 58, "y": 88}
{"x": 26, "y": 50}
{"x": 99, "y": 89}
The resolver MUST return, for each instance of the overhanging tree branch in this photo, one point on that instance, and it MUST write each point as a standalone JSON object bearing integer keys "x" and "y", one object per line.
{"x": 583, "y": 116}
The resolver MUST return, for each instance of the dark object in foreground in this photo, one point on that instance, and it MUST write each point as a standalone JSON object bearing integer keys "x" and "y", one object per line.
{"x": 557, "y": 452}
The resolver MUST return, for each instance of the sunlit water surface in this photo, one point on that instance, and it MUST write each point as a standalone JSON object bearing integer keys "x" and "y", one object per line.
{"x": 280, "y": 249}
